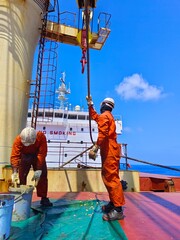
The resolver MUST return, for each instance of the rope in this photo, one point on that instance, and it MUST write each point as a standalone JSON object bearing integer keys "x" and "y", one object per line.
{"x": 154, "y": 164}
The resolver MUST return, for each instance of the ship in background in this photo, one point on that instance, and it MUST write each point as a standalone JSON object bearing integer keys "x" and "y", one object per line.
{"x": 67, "y": 132}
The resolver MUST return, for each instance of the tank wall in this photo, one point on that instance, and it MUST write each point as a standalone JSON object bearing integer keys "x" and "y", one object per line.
{"x": 19, "y": 32}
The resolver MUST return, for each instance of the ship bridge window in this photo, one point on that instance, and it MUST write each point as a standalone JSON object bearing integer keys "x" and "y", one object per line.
{"x": 72, "y": 116}
{"x": 65, "y": 115}
{"x": 48, "y": 114}
{"x": 29, "y": 114}
{"x": 58, "y": 115}
{"x": 40, "y": 114}
{"x": 82, "y": 117}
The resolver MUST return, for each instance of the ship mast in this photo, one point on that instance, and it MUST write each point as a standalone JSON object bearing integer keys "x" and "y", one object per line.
{"x": 63, "y": 91}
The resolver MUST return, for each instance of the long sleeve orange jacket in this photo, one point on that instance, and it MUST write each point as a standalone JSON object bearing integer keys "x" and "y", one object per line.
{"x": 38, "y": 149}
{"x": 106, "y": 126}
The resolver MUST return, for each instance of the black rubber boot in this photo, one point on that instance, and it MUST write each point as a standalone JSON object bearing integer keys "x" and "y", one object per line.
{"x": 107, "y": 208}
{"x": 113, "y": 215}
{"x": 45, "y": 202}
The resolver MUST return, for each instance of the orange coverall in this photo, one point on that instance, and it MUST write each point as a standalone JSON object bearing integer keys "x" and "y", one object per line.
{"x": 23, "y": 157}
{"x": 110, "y": 152}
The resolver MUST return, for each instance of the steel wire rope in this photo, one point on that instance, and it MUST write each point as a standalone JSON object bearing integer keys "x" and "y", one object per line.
{"x": 88, "y": 81}
{"x": 88, "y": 64}
{"x": 153, "y": 164}
{"x": 58, "y": 11}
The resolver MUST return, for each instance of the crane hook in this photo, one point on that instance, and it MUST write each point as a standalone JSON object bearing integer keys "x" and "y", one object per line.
{"x": 83, "y": 60}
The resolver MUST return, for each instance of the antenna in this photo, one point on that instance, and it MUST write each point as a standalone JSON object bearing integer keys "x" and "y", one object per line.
{"x": 63, "y": 91}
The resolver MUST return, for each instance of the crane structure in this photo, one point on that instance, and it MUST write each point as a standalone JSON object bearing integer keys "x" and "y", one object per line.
{"x": 69, "y": 34}
{"x": 77, "y": 36}
{"x": 68, "y": 29}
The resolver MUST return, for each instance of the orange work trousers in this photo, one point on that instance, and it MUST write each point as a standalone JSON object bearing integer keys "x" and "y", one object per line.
{"x": 28, "y": 160}
{"x": 110, "y": 155}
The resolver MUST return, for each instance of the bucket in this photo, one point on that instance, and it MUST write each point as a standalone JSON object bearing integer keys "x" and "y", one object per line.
{"x": 22, "y": 202}
{"x": 4, "y": 186}
{"x": 6, "y": 208}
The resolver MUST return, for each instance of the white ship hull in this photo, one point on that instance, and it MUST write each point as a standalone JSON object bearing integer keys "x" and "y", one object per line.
{"x": 68, "y": 135}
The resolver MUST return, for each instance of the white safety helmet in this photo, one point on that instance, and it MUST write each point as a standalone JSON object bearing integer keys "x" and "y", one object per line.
{"x": 28, "y": 136}
{"x": 108, "y": 102}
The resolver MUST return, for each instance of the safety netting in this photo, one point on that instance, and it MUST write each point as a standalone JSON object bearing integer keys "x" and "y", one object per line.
{"x": 67, "y": 219}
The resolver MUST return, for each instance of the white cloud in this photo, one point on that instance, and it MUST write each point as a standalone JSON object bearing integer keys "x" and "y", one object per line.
{"x": 130, "y": 130}
{"x": 127, "y": 129}
{"x": 135, "y": 87}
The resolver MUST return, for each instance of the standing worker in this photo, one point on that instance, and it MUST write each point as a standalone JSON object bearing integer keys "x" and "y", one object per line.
{"x": 110, "y": 156}
{"x": 30, "y": 149}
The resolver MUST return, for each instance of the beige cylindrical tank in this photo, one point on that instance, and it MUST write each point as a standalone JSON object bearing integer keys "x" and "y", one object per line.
{"x": 19, "y": 33}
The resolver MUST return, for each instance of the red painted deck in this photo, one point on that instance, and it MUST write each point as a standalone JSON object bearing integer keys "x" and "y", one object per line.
{"x": 148, "y": 215}
{"x": 157, "y": 182}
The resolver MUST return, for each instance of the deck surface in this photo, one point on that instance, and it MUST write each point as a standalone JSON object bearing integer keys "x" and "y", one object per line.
{"x": 148, "y": 215}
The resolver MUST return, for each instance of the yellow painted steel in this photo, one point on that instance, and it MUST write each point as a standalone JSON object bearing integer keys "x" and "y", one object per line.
{"x": 79, "y": 37}
{"x": 19, "y": 33}
{"x": 71, "y": 35}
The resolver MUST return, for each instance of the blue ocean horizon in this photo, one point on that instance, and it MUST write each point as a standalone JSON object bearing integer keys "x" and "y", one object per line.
{"x": 152, "y": 169}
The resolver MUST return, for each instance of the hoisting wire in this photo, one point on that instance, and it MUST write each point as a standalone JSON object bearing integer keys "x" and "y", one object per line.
{"x": 88, "y": 81}
{"x": 88, "y": 62}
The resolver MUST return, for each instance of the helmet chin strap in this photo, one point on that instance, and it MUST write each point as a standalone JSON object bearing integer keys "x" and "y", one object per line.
{"x": 105, "y": 107}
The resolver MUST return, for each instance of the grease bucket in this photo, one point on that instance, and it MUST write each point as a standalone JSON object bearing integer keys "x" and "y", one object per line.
{"x": 6, "y": 209}
{"x": 22, "y": 202}
{"x": 4, "y": 185}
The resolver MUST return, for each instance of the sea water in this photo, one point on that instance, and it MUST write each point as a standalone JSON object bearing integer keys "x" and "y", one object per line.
{"x": 153, "y": 169}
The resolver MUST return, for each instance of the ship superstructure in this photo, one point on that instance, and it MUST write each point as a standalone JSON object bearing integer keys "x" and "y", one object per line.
{"x": 67, "y": 131}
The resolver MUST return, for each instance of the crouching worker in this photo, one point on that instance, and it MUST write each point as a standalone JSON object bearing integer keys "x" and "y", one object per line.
{"x": 30, "y": 149}
{"x": 110, "y": 156}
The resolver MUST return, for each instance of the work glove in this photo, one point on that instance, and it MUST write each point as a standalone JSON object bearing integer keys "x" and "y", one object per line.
{"x": 89, "y": 101}
{"x": 36, "y": 177}
{"x": 93, "y": 152}
{"x": 15, "y": 177}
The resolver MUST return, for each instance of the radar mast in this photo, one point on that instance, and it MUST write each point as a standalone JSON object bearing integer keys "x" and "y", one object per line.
{"x": 63, "y": 91}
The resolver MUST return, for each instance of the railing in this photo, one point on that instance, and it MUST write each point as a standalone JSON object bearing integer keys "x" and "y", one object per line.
{"x": 72, "y": 153}
{"x": 68, "y": 19}
{"x": 104, "y": 20}
{"x": 75, "y": 155}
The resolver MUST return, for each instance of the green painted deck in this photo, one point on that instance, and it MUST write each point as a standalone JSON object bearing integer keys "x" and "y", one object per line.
{"x": 148, "y": 215}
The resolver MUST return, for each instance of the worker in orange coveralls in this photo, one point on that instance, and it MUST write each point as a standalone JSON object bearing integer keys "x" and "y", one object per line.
{"x": 30, "y": 149}
{"x": 110, "y": 156}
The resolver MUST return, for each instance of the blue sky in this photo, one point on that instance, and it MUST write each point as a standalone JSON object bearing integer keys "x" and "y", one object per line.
{"x": 139, "y": 66}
